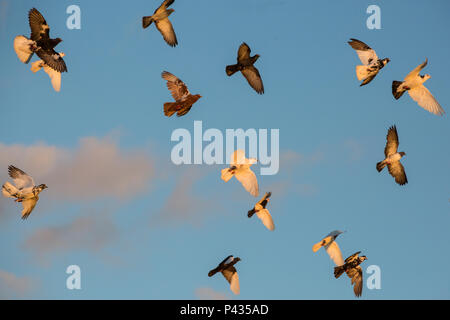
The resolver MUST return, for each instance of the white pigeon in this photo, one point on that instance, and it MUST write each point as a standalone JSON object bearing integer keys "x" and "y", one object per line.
{"x": 413, "y": 83}
{"x": 262, "y": 213}
{"x": 24, "y": 191}
{"x": 371, "y": 63}
{"x": 331, "y": 246}
{"x": 55, "y": 76}
{"x": 240, "y": 168}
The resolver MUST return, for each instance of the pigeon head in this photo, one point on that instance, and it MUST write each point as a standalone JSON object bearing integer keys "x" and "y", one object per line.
{"x": 57, "y": 40}
{"x": 402, "y": 154}
{"x": 42, "y": 186}
{"x": 386, "y": 61}
{"x": 363, "y": 258}
{"x": 170, "y": 11}
{"x": 426, "y": 77}
{"x": 252, "y": 160}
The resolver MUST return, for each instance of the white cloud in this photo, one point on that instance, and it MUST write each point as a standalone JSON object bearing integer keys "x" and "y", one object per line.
{"x": 92, "y": 233}
{"x": 96, "y": 168}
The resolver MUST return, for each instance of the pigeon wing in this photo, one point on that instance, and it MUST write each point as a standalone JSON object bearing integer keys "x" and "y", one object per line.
{"x": 232, "y": 277}
{"x": 164, "y": 6}
{"x": 248, "y": 180}
{"x": 176, "y": 87}
{"x": 356, "y": 275}
{"x": 21, "y": 179}
{"x": 38, "y": 25}
{"x": 52, "y": 59}
{"x": 415, "y": 73}
{"x": 226, "y": 175}
{"x": 335, "y": 253}
{"x": 22, "y": 48}
{"x": 425, "y": 99}
{"x": 365, "y": 53}
{"x": 266, "y": 218}
{"x": 391, "y": 142}
{"x": 166, "y": 29}
{"x": 55, "y": 77}
{"x": 28, "y": 206}
{"x": 398, "y": 172}
{"x": 253, "y": 78}
{"x": 266, "y": 196}
{"x": 238, "y": 157}
{"x": 352, "y": 257}
{"x": 243, "y": 52}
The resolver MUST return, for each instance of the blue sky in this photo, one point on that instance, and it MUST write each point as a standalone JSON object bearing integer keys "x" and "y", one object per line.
{"x": 142, "y": 228}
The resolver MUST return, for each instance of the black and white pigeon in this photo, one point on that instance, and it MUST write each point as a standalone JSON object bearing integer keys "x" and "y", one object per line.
{"x": 413, "y": 83}
{"x": 161, "y": 19}
{"x": 24, "y": 190}
{"x": 353, "y": 270}
{"x": 226, "y": 267}
{"x": 262, "y": 213}
{"x": 245, "y": 66}
{"x": 331, "y": 246}
{"x": 371, "y": 63}
{"x": 392, "y": 157}
{"x": 39, "y": 43}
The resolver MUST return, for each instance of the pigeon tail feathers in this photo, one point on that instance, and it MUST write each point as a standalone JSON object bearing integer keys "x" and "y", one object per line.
{"x": 381, "y": 165}
{"x": 170, "y": 108}
{"x": 338, "y": 271}
{"x": 232, "y": 69}
{"x": 395, "y": 93}
{"x": 146, "y": 21}
{"x": 362, "y": 72}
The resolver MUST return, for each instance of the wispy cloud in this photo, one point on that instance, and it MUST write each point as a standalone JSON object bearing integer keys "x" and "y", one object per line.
{"x": 210, "y": 294}
{"x": 184, "y": 204}
{"x": 96, "y": 168}
{"x": 14, "y": 287}
{"x": 92, "y": 233}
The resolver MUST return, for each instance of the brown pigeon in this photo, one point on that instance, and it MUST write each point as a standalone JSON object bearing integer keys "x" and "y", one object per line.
{"x": 162, "y": 22}
{"x": 245, "y": 66}
{"x": 392, "y": 160}
{"x": 183, "y": 98}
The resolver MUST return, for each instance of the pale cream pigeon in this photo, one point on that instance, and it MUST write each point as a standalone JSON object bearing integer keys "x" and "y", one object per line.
{"x": 240, "y": 168}
{"x": 331, "y": 246}
{"x": 413, "y": 83}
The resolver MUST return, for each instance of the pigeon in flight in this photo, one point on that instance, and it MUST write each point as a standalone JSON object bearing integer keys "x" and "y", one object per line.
{"x": 392, "y": 160}
{"x": 371, "y": 63}
{"x": 353, "y": 270}
{"x": 226, "y": 267}
{"x": 55, "y": 76}
{"x": 162, "y": 22}
{"x": 240, "y": 168}
{"x": 331, "y": 246}
{"x": 245, "y": 66}
{"x": 183, "y": 98}
{"x": 413, "y": 83}
{"x": 24, "y": 191}
{"x": 262, "y": 212}
{"x": 39, "y": 43}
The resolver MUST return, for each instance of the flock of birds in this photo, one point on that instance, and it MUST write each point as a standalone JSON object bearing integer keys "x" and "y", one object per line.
{"x": 25, "y": 191}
